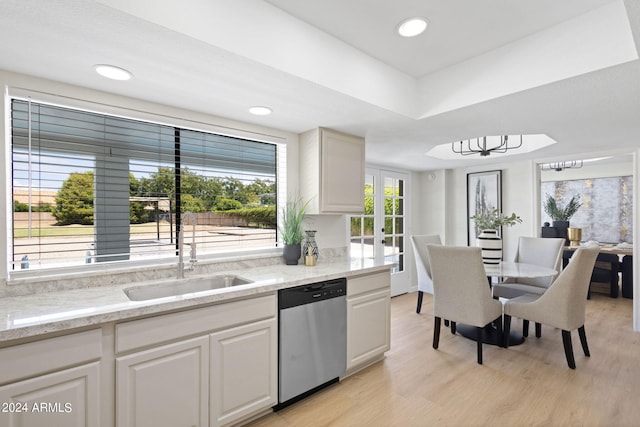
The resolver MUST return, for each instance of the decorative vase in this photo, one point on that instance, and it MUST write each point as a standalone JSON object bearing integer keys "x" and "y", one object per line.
{"x": 491, "y": 245}
{"x": 291, "y": 253}
{"x": 310, "y": 248}
{"x": 574, "y": 234}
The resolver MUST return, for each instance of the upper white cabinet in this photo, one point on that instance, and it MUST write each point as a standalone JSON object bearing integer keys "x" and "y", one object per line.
{"x": 332, "y": 169}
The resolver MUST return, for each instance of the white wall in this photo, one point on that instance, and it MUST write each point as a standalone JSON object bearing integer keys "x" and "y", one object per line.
{"x": 517, "y": 196}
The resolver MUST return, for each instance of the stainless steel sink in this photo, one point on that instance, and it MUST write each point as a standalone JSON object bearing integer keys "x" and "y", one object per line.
{"x": 183, "y": 286}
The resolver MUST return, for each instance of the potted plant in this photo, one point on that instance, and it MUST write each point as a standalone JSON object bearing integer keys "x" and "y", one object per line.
{"x": 291, "y": 229}
{"x": 493, "y": 219}
{"x": 560, "y": 215}
{"x": 488, "y": 223}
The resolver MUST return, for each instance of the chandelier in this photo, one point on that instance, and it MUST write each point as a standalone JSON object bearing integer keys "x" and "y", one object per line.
{"x": 480, "y": 146}
{"x": 558, "y": 166}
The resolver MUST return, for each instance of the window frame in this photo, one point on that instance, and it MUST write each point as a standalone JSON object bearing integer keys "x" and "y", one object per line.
{"x": 152, "y": 113}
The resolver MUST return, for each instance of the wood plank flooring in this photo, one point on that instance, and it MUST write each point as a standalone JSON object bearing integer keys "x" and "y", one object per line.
{"x": 526, "y": 385}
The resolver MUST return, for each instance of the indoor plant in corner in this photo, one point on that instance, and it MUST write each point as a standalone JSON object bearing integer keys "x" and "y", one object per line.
{"x": 560, "y": 215}
{"x": 291, "y": 229}
{"x": 488, "y": 222}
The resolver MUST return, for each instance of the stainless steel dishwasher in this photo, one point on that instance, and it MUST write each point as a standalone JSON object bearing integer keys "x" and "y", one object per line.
{"x": 312, "y": 338}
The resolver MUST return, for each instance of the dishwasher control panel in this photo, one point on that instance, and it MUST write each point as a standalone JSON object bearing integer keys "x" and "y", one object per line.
{"x": 312, "y": 292}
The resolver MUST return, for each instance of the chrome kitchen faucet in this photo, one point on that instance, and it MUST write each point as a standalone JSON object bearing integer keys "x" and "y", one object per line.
{"x": 192, "y": 253}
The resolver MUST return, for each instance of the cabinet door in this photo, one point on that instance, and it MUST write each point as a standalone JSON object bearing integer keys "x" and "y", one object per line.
{"x": 165, "y": 386}
{"x": 68, "y": 398}
{"x": 368, "y": 327}
{"x": 243, "y": 371}
{"x": 342, "y": 173}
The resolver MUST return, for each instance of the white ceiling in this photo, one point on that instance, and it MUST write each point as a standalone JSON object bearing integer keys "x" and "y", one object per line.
{"x": 567, "y": 69}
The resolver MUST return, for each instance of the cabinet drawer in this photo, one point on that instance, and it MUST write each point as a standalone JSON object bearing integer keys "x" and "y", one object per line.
{"x": 366, "y": 283}
{"x": 38, "y": 357}
{"x": 169, "y": 327}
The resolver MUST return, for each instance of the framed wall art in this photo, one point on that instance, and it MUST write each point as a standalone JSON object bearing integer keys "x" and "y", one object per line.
{"x": 484, "y": 192}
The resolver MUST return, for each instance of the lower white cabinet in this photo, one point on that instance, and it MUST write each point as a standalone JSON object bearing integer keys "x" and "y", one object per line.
{"x": 219, "y": 367}
{"x": 165, "y": 386}
{"x": 244, "y": 375}
{"x": 368, "y": 318}
{"x": 52, "y": 382}
{"x": 66, "y": 398}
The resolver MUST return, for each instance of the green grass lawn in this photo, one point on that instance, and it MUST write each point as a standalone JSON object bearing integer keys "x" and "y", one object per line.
{"x": 81, "y": 230}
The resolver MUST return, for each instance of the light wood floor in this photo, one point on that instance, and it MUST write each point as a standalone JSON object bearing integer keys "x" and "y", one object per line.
{"x": 525, "y": 385}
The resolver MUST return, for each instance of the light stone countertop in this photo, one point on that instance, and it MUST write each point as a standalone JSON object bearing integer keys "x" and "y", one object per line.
{"x": 46, "y": 312}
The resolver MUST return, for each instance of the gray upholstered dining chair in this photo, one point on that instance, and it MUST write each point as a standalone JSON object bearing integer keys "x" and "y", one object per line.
{"x": 461, "y": 294}
{"x": 537, "y": 251}
{"x": 425, "y": 284}
{"x": 562, "y": 306}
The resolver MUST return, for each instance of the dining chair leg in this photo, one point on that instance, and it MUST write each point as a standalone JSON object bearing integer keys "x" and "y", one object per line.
{"x": 507, "y": 330}
{"x": 583, "y": 341}
{"x": 568, "y": 348}
{"x": 538, "y": 330}
{"x": 453, "y": 327}
{"x": 498, "y": 323}
{"x": 446, "y": 323}
{"x": 419, "y": 307}
{"x": 479, "y": 339}
{"x": 525, "y": 328}
{"x": 436, "y": 332}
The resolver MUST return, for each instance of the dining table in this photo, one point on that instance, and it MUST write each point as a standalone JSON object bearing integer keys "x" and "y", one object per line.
{"x": 501, "y": 271}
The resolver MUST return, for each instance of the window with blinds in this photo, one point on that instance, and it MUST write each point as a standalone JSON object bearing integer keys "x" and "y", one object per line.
{"x": 93, "y": 188}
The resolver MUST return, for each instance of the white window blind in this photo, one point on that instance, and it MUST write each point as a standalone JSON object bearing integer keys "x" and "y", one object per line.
{"x": 94, "y": 188}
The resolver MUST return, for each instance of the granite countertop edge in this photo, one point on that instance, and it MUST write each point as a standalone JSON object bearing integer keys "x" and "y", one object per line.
{"x": 49, "y": 312}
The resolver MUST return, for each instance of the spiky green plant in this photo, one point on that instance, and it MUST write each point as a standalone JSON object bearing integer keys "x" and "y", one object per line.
{"x": 558, "y": 212}
{"x": 292, "y": 216}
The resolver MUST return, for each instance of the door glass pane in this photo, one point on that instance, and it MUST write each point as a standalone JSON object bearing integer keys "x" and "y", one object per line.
{"x": 368, "y": 205}
{"x": 356, "y": 226}
{"x": 367, "y": 223}
{"x": 362, "y": 231}
{"x": 369, "y": 184}
{"x": 388, "y": 225}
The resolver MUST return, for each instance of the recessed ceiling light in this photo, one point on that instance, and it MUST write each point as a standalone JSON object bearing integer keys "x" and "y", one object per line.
{"x": 113, "y": 72}
{"x": 260, "y": 110}
{"x": 412, "y": 27}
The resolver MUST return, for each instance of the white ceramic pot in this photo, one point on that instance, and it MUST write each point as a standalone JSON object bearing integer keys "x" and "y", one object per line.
{"x": 491, "y": 245}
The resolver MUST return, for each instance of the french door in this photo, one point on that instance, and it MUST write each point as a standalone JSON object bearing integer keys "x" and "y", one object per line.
{"x": 380, "y": 234}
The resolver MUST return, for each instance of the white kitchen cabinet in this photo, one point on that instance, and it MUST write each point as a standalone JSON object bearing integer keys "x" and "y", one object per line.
{"x": 227, "y": 372}
{"x": 66, "y": 398}
{"x": 332, "y": 166}
{"x": 244, "y": 375}
{"x": 165, "y": 386}
{"x": 368, "y": 318}
{"x": 52, "y": 382}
